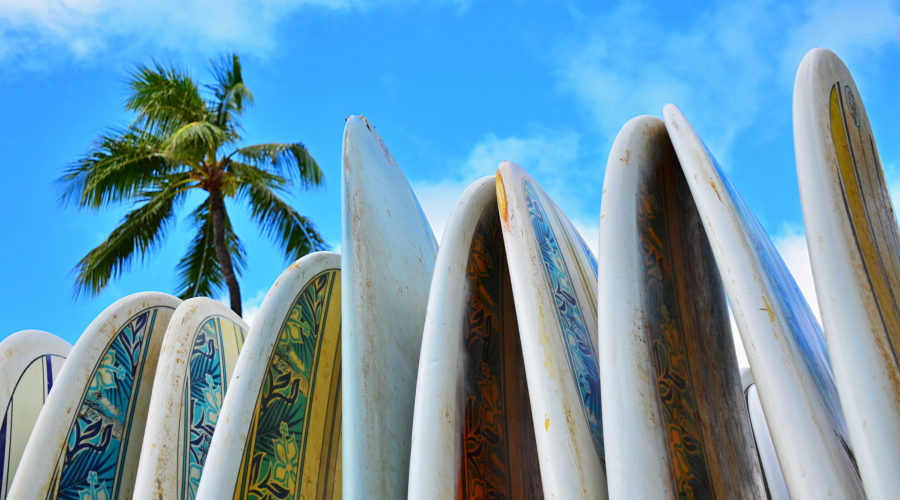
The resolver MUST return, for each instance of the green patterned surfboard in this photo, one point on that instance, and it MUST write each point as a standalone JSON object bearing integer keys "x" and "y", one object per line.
{"x": 279, "y": 434}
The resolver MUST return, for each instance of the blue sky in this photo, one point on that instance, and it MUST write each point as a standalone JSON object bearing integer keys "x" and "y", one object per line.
{"x": 453, "y": 86}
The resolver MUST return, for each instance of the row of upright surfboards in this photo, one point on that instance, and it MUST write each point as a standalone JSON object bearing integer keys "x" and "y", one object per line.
{"x": 474, "y": 370}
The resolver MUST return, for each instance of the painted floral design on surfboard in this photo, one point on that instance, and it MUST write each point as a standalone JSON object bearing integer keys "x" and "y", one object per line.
{"x": 667, "y": 335}
{"x": 293, "y": 444}
{"x": 203, "y": 394}
{"x": 499, "y": 455}
{"x": 91, "y": 465}
{"x": 581, "y": 352}
{"x": 804, "y": 327}
{"x": 13, "y": 435}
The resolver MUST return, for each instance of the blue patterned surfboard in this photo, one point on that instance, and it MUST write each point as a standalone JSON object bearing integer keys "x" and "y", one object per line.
{"x": 87, "y": 440}
{"x": 197, "y": 357}
{"x": 554, "y": 280}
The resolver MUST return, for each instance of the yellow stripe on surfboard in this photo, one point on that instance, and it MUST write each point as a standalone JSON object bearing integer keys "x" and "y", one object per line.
{"x": 878, "y": 250}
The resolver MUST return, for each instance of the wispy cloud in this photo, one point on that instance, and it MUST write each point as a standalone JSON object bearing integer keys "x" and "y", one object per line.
{"x": 546, "y": 155}
{"x": 31, "y": 30}
{"x": 722, "y": 68}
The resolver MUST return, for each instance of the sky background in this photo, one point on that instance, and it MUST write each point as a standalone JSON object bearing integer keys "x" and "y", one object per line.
{"x": 453, "y": 87}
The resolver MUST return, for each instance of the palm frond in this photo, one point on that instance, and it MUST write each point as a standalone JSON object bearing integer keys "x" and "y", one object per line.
{"x": 164, "y": 98}
{"x": 139, "y": 232}
{"x": 294, "y": 233}
{"x": 229, "y": 91}
{"x": 120, "y": 166}
{"x": 291, "y": 160}
{"x": 199, "y": 271}
{"x": 192, "y": 141}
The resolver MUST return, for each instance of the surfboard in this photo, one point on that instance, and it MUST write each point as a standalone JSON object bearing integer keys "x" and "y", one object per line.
{"x": 775, "y": 486}
{"x": 196, "y": 359}
{"x": 30, "y": 361}
{"x": 387, "y": 258}
{"x": 473, "y": 433}
{"x": 554, "y": 282}
{"x": 675, "y": 419}
{"x": 854, "y": 249}
{"x": 782, "y": 338}
{"x": 87, "y": 439}
{"x": 279, "y": 429}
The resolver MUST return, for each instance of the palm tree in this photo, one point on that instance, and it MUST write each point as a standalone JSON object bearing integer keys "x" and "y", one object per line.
{"x": 175, "y": 146}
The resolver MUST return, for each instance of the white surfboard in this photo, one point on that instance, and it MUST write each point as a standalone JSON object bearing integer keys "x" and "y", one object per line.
{"x": 279, "y": 429}
{"x": 388, "y": 252}
{"x": 197, "y": 357}
{"x": 554, "y": 281}
{"x": 30, "y": 361}
{"x": 87, "y": 439}
{"x": 675, "y": 419}
{"x": 854, "y": 249}
{"x": 473, "y": 434}
{"x": 782, "y": 339}
{"x": 775, "y": 486}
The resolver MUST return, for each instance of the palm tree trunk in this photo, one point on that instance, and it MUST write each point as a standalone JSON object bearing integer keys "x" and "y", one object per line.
{"x": 217, "y": 211}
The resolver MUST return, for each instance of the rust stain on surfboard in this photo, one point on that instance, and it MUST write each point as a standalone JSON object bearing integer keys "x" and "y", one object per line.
{"x": 716, "y": 189}
{"x": 768, "y": 309}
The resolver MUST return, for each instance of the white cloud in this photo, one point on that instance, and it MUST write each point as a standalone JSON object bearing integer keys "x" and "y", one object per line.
{"x": 251, "y": 306}
{"x": 544, "y": 154}
{"x": 723, "y": 66}
{"x": 87, "y": 27}
{"x": 32, "y": 30}
{"x": 851, "y": 29}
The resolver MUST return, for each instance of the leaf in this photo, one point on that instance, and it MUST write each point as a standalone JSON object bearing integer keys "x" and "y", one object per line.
{"x": 138, "y": 233}
{"x": 291, "y": 160}
{"x": 120, "y": 166}
{"x": 294, "y": 233}
{"x": 164, "y": 98}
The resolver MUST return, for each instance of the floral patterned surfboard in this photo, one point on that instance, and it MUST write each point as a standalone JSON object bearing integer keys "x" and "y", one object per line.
{"x": 674, "y": 414}
{"x": 279, "y": 430}
{"x": 197, "y": 357}
{"x": 473, "y": 431}
{"x": 87, "y": 440}
{"x": 554, "y": 282}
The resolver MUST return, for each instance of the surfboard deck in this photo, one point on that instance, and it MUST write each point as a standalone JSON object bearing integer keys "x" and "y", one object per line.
{"x": 854, "y": 251}
{"x": 781, "y": 337}
{"x": 30, "y": 361}
{"x": 473, "y": 433}
{"x": 87, "y": 439}
{"x": 388, "y": 252}
{"x": 196, "y": 359}
{"x": 675, "y": 418}
{"x": 279, "y": 429}
{"x": 554, "y": 281}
